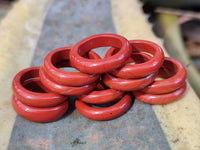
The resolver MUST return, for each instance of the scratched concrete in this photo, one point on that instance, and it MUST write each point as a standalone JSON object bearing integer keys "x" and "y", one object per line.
{"x": 66, "y": 23}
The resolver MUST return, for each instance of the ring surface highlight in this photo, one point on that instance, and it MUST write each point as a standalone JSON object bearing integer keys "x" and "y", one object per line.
{"x": 100, "y": 65}
{"x": 160, "y": 99}
{"x": 61, "y": 55}
{"x": 141, "y": 69}
{"x": 174, "y": 75}
{"x": 107, "y": 113}
{"x": 34, "y": 98}
{"x": 39, "y": 114}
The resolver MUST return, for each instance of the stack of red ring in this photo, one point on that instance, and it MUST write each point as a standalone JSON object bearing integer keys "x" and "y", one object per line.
{"x": 101, "y": 66}
{"x": 35, "y": 102}
{"x": 63, "y": 82}
{"x": 129, "y": 67}
{"x": 167, "y": 90}
{"x": 132, "y": 77}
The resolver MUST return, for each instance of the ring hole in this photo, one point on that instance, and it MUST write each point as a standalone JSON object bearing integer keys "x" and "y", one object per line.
{"x": 60, "y": 57}
{"x": 34, "y": 85}
{"x": 167, "y": 70}
{"x": 64, "y": 65}
{"x": 144, "y": 47}
{"x": 100, "y": 51}
{"x": 99, "y": 42}
{"x": 159, "y": 78}
{"x": 60, "y": 60}
{"x": 101, "y": 86}
{"x": 138, "y": 58}
{"x": 69, "y": 69}
{"x": 147, "y": 53}
{"x": 106, "y": 104}
{"x": 143, "y": 52}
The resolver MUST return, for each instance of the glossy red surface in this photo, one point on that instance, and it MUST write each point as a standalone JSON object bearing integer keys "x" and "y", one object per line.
{"x": 100, "y": 65}
{"x": 160, "y": 98}
{"x": 34, "y": 98}
{"x": 141, "y": 69}
{"x": 60, "y": 55}
{"x": 128, "y": 84}
{"x": 174, "y": 75}
{"x": 64, "y": 89}
{"x": 100, "y": 96}
{"x": 39, "y": 114}
{"x": 107, "y": 113}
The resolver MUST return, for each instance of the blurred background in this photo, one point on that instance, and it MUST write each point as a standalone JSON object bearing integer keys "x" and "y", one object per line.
{"x": 183, "y": 15}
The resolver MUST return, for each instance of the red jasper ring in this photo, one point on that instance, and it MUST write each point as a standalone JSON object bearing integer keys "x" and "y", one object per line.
{"x": 39, "y": 114}
{"x": 128, "y": 84}
{"x": 100, "y": 96}
{"x": 100, "y": 65}
{"x": 174, "y": 75}
{"x": 63, "y": 77}
{"x": 33, "y": 97}
{"x": 160, "y": 98}
{"x": 64, "y": 89}
{"x": 142, "y": 69}
{"x": 107, "y": 113}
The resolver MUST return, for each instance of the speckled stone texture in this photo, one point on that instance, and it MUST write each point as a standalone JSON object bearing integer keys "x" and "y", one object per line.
{"x": 66, "y": 23}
